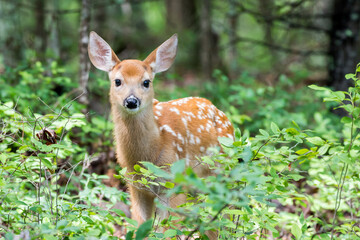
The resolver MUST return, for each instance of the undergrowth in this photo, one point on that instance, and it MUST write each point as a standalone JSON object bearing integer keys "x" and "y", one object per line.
{"x": 292, "y": 171}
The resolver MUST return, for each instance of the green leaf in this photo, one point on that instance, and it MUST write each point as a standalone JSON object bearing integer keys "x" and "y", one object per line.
{"x": 323, "y": 149}
{"x": 169, "y": 185}
{"x": 178, "y": 167}
{"x": 346, "y": 120}
{"x": 315, "y": 87}
{"x": 296, "y": 177}
{"x": 129, "y": 235}
{"x": 137, "y": 168}
{"x": 302, "y": 151}
{"x": 247, "y": 154}
{"x": 316, "y": 140}
{"x": 144, "y": 230}
{"x": 170, "y": 233}
{"x": 156, "y": 170}
{"x": 339, "y": 95}
{"x": 264, "y": 133}
{"x": 350, "y": 76}
{"x": 274, "y": 128}
{"x": 46, "y": 161}
{"x": 296, "y": 231}
{"x": 87, "y": 219}
{"x": 292, "y": 131}
{"x": 295, "y": 124}
{"x": 40, "y": 146}
{"x": 237, "y": 133}
{"x": 227, "y": 142}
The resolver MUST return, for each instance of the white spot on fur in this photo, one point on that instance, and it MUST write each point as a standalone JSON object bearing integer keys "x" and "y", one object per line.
{"x": 158, "y": 113}
{"x": 180, "y": 138}
{"x": 197, "y": 140}
{"x": 175, "y": 110}
{"x": 187, "y": 160}
{"x": 202, "y": 149}
{"x": 179, "y": 148}
{"x": 184, "y": 121}
{"x": 168, "y": 129}
{"x": 230, "y": 136}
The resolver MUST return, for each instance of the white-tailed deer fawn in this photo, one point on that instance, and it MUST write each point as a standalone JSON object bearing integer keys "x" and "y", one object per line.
{"x": 153, "y": 131}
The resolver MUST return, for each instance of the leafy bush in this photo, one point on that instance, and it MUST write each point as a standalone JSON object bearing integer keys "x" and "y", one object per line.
{"x": 276, "y": 180}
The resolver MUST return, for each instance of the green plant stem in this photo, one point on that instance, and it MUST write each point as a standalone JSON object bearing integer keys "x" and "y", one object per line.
{"x": 213, "y": 219}
{"x": 346, "y": 167}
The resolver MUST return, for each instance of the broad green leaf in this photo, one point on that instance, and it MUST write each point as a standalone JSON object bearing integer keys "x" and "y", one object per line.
{"x": 227, "y": 142}
{"x": 296, "y": 231}
{"x": 87, "y": 219}
{"x": 274, "y": 128}
{"x": 144, "y": 230}
{"x": 339, "y": 95}
{"x": 264, "y": 133}
{"x": 169, "y": 185}
{"x": 302, "y": 151}
{"x": 46, "y": 161}
{"x": 156, "y": 170}
{"x": 346, "y": 120}
{"x": 129, "y": 235}
{"x": 292, "y": 131}
{"x": 170, "y": 233}
{"x": 247, "y": 154}
{"x": 350, "y": 76}
{"x": 178, "y": 167}
{"x": 316, "y": 141}
{"x": 323, "y": 149}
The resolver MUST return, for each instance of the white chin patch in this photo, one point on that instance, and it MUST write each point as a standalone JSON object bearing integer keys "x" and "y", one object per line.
{"x": 132, "y": 111}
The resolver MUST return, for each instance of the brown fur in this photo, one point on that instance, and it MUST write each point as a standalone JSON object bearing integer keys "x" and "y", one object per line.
{"x": 158, "y": 132}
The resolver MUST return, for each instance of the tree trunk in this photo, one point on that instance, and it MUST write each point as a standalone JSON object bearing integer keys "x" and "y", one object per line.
{"x": 54, "y": 42}
{"x": 233, "y": 53}
{"x": 83, "y": 43}
{"x": 208, "y": 41}
{"x": 180, "y": 15}
{"x": 344, "y": 42}
{"x": 40, "y": 31}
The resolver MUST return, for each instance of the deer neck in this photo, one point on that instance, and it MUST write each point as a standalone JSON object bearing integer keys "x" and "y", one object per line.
{"x": 137, "y": 136}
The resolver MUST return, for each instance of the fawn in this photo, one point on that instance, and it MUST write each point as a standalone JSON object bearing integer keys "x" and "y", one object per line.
{"x": 149, "y": 130}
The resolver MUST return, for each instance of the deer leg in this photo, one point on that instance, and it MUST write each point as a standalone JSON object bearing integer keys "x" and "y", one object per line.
{"x": 142, "y": 204}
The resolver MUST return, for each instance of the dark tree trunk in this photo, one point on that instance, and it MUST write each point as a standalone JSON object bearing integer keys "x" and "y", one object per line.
{"x": 208, "y": 41}
{"x": 40, "y": 31}
{"x": 344, "y": 42}
{"x": 83, "y": 43}
{"x": 233, "y": 53}
{"x": 180, "y": 15}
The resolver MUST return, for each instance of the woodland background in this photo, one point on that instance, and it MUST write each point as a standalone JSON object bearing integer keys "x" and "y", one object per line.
{"x": 252, "y": 59}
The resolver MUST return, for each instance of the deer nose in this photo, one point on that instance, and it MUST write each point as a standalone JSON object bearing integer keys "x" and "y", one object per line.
{"x": 132, "y": 102}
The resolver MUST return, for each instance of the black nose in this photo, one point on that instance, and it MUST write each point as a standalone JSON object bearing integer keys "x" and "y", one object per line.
{"x": 132, "y": 102}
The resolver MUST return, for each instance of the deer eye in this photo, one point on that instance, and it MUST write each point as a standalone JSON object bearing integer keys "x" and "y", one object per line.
{"x": 117, "y": 82}
{"x": 146, "y": 83}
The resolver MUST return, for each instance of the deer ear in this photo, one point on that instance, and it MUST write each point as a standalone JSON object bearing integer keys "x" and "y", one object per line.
{"x": 163, "y": 57}
{"x": 101, "y": 54}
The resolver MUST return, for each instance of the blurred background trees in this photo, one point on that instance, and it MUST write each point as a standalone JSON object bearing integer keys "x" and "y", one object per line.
{"x": 318, "y": 40}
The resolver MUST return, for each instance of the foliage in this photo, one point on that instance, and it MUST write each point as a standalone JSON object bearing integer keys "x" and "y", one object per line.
{"x": 280, "y": 181}
{"x": 33, "y": 202}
